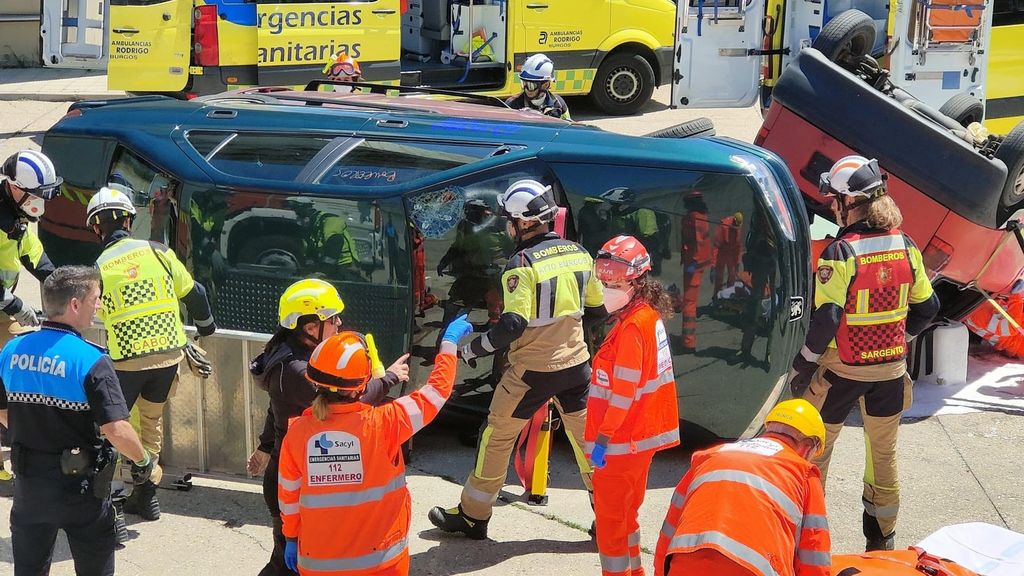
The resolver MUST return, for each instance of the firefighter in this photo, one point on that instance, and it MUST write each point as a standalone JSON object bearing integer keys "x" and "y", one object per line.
{"x": 308, "y": 313}
{"x": 695, "y": 257}
{"x": 728, "y": 249}
{"x": 871, "y": 295}
{"x": 752, "y": 507}
{"x": 549, "y": 290}
{"x": 536, "y": 75}
{"x": 142, "y": 284}
{"x": 344, "y": 503}
{"x": 632, "y": 411}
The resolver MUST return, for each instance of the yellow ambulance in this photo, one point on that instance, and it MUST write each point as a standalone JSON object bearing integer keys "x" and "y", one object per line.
{"x": 617, "y": 51}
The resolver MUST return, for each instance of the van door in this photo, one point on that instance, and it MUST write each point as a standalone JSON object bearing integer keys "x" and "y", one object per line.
{"x": 567, "y": 32}
{"x": 73, "y": 34}
{"x": 296, "y": 40}
{"x": 718, "y": 53}
{"x": 150, "y": 45}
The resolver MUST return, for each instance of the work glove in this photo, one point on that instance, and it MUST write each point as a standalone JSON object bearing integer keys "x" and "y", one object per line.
{"x": 291, "y": 555}
{"x": 141, "y": 471}
{"x": 691, "y": 268}
{"x": 597, "y": 455}
{"x": 197, "y": 361}
{"x": 800, "y": 375}
{"x": 25, "y": 315}
{"x": 457, "y": 329}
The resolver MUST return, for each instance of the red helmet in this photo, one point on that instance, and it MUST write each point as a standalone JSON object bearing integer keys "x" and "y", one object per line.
{"x": 341, "y": 363}
{"x": 621, "y": 259}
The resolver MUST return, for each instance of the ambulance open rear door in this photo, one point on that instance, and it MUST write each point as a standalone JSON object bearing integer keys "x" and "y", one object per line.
{"x": 150, "y": 45}
{"x": 295, "y": 40}
{"x": 718, "y": 55}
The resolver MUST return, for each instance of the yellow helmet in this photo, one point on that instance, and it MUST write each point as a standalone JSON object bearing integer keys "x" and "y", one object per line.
{"x": 306, "y": 297}
{"x": 803, "y": 416}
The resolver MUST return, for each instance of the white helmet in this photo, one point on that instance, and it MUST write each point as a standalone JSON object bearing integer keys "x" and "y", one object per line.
{"x": 853, "y": 176}
{"x": 537, "y": 68}
{"x": 34, "y": 173}
{"x": 110, "y": 197}
{"x": 528, "y": 200}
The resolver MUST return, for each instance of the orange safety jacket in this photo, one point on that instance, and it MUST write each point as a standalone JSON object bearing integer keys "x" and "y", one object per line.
{"x": 757, "y": 503}
{"x": 341, "y": 482}
{"x": 873, "y": 327}
{"x": 632, "y": 406}
{"x": 727, "y": 239}
{"x": 696, "y": 239}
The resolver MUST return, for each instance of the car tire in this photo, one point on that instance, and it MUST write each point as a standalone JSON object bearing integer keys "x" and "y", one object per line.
{"x": 964, "y": 109}
{"x": 695, "y": 127}
{"x": 849, "y": 35}
{"x": 272, "y": 250}
{"x": 624, "y": 83}
{"x": 1011, "y": 152}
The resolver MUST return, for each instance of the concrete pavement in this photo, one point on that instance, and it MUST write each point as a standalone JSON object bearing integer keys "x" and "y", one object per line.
{"x": 54, "y": 85}
{"x": 955, "y": 468}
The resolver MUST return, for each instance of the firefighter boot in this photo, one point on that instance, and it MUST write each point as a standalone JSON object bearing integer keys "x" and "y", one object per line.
{"x": 120, "y": 528}
{"x": 142, "y": 502}
{"x": 455, "y": 520}
{"x": 887, "y": 543}
{"x": 873, "y": 534}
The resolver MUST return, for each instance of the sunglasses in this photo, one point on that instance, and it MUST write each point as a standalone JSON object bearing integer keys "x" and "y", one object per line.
{"x": 532, "y": 86}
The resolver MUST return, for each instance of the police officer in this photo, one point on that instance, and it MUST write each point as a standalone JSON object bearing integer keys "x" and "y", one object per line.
{"x": 30, "y": 179}
{"x": 536, "y": 75}
{"x": 549, "y": 286}
{"x": 58, "y": 393}
{"x": 871, "y": 296}
{"x": 142, "y": 283}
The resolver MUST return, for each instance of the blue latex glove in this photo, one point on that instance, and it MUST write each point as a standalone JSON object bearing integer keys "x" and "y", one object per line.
{"x": 291, "y": 555}
{"x": 691, "y": 268}
{"x": 457, "y": 329}
{"x": 597, "y": 455}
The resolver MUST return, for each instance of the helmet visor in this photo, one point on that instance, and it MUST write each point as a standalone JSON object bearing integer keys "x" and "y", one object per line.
{"x": 44, "y": 192}
{"x": 533, "y": 85}
{"x": 342, "y": 69}
{"x": 612, "y": 270}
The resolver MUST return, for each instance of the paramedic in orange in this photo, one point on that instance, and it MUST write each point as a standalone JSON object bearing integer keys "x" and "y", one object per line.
{"x": 632, "y": 411}
{"x": 342, "y": 492}
{"x": 871, "y": 295}
{"x": 754, "y": 507}
{"x": 695, "y": 256}
{"x": 728, "y": 249}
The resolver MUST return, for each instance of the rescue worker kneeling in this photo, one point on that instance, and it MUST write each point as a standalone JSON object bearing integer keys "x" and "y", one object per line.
{"x": 754, "y": 507}
{"x": 871, "y": 296}
{"x": 344, "y": 503}
{"x": 632, "y": 411}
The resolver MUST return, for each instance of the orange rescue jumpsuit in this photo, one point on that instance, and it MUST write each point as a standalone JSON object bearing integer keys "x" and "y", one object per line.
{"x": 729, "y": 248}
{"x": 752, "y": 507}
{"x": 632, "y": 409}
{"x": 696, "y": 251}
{"x": 341, "y": 483}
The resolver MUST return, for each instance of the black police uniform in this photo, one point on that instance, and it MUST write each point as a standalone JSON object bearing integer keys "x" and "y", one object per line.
{"x": 58, "y": 389}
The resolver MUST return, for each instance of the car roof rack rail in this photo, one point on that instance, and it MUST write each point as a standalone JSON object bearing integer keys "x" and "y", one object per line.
{"x": 374, "y": 88}
{"x": 86, "y": 104}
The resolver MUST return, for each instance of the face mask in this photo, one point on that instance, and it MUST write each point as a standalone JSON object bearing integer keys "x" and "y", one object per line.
{"x": 33, "y": 206}
{"x": 615, "y": 299}
{"x": 539, "y": 100}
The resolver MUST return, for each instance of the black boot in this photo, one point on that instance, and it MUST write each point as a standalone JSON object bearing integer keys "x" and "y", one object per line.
{"x": 887, "y": 543}
{"x": 142, "y": 502}
{"x": 873, "y": 534}
{"x": 455, "y": 520}
{"x": 120, "y": 528}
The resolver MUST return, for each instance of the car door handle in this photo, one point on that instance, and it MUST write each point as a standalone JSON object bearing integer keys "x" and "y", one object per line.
{"x": 536, "y": 6}
{"x": 392, "y": 123}
{"x": 125, "y": 30}
{"x": 382, "y": 12}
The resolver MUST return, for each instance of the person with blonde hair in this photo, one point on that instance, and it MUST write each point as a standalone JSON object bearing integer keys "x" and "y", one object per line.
{"x": 872, "y": 296}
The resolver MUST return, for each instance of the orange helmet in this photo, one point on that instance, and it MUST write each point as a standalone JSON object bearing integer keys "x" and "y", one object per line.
{"x": 620, "y": 260}
{"x": 343, "y": 67}
{"x": 342, "y": 363}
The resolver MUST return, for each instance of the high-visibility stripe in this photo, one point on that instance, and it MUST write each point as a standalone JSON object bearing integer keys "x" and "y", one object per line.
{"x": 621, "y": 402}
{"x": 655, "y": 384}
{"x": 121, "y": 248}
{"x": 485, "y": 343}
{"x": 413, "y": 411}
{"x": 756, "y": 482}
{"x": 741, "y": 551}
{"x": 355, "y": 498}
{"x": 876, "y": 317}
{"x": 288, "y": 484}
{"x": 634, "y": 562}
{"x": 433, "y": 396}
{"x": 203, "y": 323}
{"x": 815, "y": 521}
{"x": 887, "y": 243}
{"x": 904, "y": 295}
{"x": 479, "y": 495}
{"x": 678, "y": 499}
{"x": 366, "y": 562}
{"x": 880, "y": 511}
{"x": 545, "y": 299}
{"x": 806, "y": 353}
{"x": 863, "y": 301}
{"x": 654, "y": 442}
{"x": 814, "y": 557}
{"x": 627, "y": 374}
{"x": 634, "y": 539}
{"x": 287, "y": 508}
{"x": 602, "y": 393}
{"x": 614, "y": 563}
{"x": 136, "y": 311}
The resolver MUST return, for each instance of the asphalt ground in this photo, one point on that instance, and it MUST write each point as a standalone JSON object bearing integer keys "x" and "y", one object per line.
{"x": 956, "y": 468}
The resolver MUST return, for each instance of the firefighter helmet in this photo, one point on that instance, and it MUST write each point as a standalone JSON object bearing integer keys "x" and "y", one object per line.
{"x": 853, "y": 176}
{"x": 308, "y": 297}
{"x": 537, "y": 68}
{"x": 112, "y": 197}
{"x": 620, "y": 260}
{"x": 802, "y": 416}
{"x": 528, "y": 200}
{"x": 34, "y": 173}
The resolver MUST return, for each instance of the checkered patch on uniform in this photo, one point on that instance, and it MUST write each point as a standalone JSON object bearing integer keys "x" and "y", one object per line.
{"x": 148, "y": 334}
{"x": 878, "y": 343}
{"x": 140, "y": 292}
{"x": 43, "y": 399}
{"x": 884, "y": 299}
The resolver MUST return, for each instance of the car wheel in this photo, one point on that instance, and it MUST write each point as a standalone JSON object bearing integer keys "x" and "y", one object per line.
{"x": 849, "y": 35}
{"x": 624, "y": 83}
{"x": 272, "y": 251}
{"x": 1011, "y": 152}
{"x": 964, "y": 109}
{"x": 695, "y": 127}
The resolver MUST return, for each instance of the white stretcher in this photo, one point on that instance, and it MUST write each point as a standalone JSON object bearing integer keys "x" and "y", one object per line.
{"x": 988, "y": 550}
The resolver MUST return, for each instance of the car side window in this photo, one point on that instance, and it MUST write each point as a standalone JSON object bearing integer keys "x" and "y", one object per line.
{"x": 379, "y": 162}
{"x": 252, "y": 245}
{"x": 460, "y": 249}
{"x": 715, "y": 252}
{"x": 155, "y": 196}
